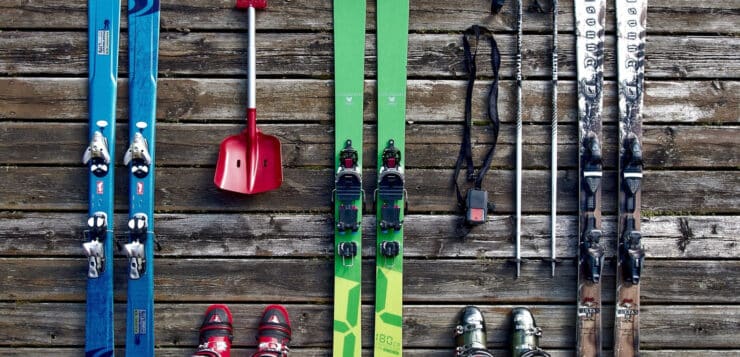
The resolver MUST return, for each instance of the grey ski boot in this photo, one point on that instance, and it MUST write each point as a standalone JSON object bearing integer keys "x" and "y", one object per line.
{"x": 525, "y": 336}
{"x": 470, "y": 334}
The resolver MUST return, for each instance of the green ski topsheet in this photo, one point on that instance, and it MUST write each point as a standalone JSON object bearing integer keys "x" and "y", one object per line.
{"x": 349, "y": 67}
{"x": 392, "y": 49}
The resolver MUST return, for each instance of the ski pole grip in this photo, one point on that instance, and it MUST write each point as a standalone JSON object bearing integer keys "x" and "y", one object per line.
{"x": 257, "y": 4}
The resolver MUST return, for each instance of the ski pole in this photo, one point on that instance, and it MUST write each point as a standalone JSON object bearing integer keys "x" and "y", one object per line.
{"x": 554, "y": 141}
{"x": 518, "y": 175}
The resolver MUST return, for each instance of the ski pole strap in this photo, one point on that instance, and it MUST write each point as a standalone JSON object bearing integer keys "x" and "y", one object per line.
{"x": 479, "y": 197}
{"x": 496, "y": 6}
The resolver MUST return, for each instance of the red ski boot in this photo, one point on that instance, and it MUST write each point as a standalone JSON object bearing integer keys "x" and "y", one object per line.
{"x": 273, "y": 333}
{"x": 216, "y": 332}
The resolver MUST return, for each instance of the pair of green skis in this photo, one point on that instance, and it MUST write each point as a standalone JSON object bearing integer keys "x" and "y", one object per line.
{"x": 389, "y": 195}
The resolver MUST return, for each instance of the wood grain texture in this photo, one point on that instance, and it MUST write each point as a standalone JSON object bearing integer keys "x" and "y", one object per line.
{"x": 309, "y": 190}
{"x": 190, "y": 279}
{"x": 428, "y": 146}
{"x": 310, "y": 236}
{"x": 214, "y": 100}
{"x": 425, "y": 15}
{"x": 310, "y": 55}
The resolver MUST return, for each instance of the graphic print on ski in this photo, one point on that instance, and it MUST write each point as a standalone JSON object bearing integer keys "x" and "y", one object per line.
{"x": 143, "y": 30}
{"x": 392, "y": 46}
{"x": 631, "y": 27}
{"x": 589, "y": 22}
{"x": 103, "y": 32}
{"x": 349, "y": 69}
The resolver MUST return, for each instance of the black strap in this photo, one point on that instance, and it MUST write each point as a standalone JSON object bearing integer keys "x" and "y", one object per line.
{"x": 496, "y": 6}
{"x": 466, "y": 153}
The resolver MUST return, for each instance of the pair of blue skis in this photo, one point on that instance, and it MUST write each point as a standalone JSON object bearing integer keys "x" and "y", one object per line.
{"x": 103, "y": 34}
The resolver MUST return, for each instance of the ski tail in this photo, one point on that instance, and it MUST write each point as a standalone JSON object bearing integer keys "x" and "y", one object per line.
{"x": 103, "y": 38}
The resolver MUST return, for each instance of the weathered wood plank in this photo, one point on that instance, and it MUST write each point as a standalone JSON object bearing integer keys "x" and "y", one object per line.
{"x": 428, "y": 146}
{"x": 215, "y": 100}
{"x": 428, "y": 236}
{"x": 300, "y": 100}
{"x": 311, "y": 55}
{"x": 180, "y": 280}
{"x": 426, "y": 15}
{"x": 304, "y": 190}
{"x": 426, "y": 327}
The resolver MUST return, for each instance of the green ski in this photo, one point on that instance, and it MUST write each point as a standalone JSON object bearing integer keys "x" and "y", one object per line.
{"x": 392, "y": 42}
{"x": 349, "y": 69}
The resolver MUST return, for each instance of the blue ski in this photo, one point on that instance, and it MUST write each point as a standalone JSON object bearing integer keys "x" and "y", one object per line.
{"x": 103, "y": 31}
{"x": 143, "y": 20}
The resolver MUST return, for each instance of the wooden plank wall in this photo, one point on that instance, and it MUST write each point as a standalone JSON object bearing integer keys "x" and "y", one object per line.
{"x": 277, "y": 247}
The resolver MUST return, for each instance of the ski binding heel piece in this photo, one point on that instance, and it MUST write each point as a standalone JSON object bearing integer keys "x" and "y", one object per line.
{"x": 98, "y": 226}
{"x": 348, "y": 188}
{"x": 348, "y": 251}
{"x": 593, "y": 252}
{"x": 632, "y": 253}
{"x": 97, "y": 156}
{"x": 138, "y": 155}
{"x": 138, "y": 227}
{"x": 390, "y": 249}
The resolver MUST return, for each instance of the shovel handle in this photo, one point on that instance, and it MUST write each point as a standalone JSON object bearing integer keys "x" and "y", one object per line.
{"x": 251, "y": 5}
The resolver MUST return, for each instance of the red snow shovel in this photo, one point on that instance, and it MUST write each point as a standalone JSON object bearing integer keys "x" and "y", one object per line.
{"x": 250, "y": 161}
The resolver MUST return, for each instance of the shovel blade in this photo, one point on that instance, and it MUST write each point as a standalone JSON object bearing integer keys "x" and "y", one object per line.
{"x": 249, "y": 167}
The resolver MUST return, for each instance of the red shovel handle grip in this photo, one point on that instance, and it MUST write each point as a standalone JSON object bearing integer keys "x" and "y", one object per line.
{"x": 257, "y": 4}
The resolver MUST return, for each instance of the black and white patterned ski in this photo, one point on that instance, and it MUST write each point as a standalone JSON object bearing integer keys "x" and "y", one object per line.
{"x": 589, "y": 23}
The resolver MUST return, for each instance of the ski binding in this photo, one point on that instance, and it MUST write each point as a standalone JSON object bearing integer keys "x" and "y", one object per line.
{"x": 348, "y": 188}
{"x": 390, "y": 189}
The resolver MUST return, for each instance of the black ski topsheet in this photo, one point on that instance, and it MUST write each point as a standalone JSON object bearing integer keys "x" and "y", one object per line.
{"x": 631, "y": 25}
{"x": 589, "y": 23}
